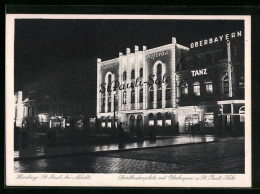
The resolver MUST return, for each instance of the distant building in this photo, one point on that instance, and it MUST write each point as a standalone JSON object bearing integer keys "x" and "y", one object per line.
{"x": 173, "y": 87}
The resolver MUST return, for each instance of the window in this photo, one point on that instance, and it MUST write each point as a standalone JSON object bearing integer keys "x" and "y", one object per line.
{"x": 124, "y": 75}
{"x": 209, "y": 87}
{"x": 159, "y": 94}
{"x": 141, "y": 72}
{"x": 159, "y": 119}
{"x": 103, "y": 100}
{"x": 209, "y": 59}
{"x": 168, "y": 121}
{"x": 209, "y": 119}
{"x": 133, "y": 74}
{"x": 109, "y": 102}
{"x": 159, "y": 69}
{"x": 226, "y": 85}
{"x": 241, "y": 82}
{"x": 132, "y": 96}
{"x": 141, "y": 95}
{"x": 151, "y": 119}
{"x": 196, "y": 88}
{"x": 228, "y": 120}
{"x": 196, "y": 61}
{"x": 109, "y": 79}
{"x": 168, "y": 92}
{"x": 184, "y": 89}
{"x": 151, "y": 94}
{"x": 124, "y": 97}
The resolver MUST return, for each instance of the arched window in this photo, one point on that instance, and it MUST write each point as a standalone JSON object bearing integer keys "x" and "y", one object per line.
{"x": 132, "y": 96}
{"x": 159, "y": 119}
{"x": 109, "y": 79}
{"x": 132, "y": 121}
{"x": 133, "y": 74}
{"x": 226, "y": 85}
{"x": 196, "y": 88}
{"x": 109, "y": 102}
{"x": 151, "y": 94}
{"x": 124, "y": 97}
{"x": 168, "y": 121}
{"x": 159, "y": 94}
{"x": 124, "y": 75}
{"x": 209, "y": 86}
{"x": 141, "y": 95}
{"x": 168, "y": 92}
{"x": 184, "y": 89}
{"x": 151, "y": 119}
{"x": 209, "y": 59}
{"x": 141, "y": 72}
{"x": 159, "y": 69}
{"x": 104, "y": 100}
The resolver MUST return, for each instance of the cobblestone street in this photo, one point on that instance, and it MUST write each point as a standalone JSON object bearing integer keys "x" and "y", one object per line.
{"x": 226, "y": 156}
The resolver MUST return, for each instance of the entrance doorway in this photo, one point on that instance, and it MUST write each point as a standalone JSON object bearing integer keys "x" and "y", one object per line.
{"x": 191, "y": 120}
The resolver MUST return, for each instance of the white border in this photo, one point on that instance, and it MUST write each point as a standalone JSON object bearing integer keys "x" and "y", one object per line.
{"x": 110, "y": 180}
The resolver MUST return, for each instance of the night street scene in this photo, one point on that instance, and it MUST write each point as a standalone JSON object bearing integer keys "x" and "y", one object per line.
{"x": 129, "y": 96}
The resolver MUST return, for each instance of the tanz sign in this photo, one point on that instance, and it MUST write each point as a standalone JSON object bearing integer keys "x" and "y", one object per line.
{"x": 195, "y": 73}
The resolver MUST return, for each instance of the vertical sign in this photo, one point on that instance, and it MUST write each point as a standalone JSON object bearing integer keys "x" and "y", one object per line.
{"x": 229, "y": 68}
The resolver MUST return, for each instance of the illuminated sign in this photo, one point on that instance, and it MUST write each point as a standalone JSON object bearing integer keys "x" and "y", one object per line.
{"x": 195, "y": 73}
{"x": 155, "y": 55}
{"x": 224, "y": 37}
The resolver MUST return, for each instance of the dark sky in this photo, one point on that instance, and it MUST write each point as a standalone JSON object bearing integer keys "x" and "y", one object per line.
{"x": 42, "y": 44}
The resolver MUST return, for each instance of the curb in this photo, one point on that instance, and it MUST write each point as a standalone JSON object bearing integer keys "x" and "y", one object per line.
{"x": 107, "y": 151}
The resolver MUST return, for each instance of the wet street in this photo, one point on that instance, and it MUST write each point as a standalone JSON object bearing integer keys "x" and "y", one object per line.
{"x": 225, "y": 156}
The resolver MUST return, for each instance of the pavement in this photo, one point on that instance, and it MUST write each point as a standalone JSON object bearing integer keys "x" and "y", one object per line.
{"x": 223, "y": 155}
{"x": 39, "y": 152}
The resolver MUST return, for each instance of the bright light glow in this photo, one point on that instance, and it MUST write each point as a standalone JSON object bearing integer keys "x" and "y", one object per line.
{"x": 103, "y": 124}
{"x": 168, "y": 123}
{"x": 109, "y": 125}
{"x": 159, "y": 123}
{"x": 209, "y": 119}
{"x": 151, "y": 122}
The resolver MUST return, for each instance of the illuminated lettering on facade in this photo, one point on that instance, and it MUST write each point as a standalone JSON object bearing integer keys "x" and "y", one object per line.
{"x": 155, "y": 55}
{"x": 199, "y": 72}
{"x": 216, "y": 39}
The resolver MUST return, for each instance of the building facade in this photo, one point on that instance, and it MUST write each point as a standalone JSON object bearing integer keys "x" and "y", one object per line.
{"x": 173, "y": 87}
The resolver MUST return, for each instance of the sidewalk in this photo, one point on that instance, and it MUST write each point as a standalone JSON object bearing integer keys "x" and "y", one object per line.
{"x": 37, "y": 152}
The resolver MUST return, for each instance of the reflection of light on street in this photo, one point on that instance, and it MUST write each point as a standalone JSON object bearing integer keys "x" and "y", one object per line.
{"x": 41, "y": 163}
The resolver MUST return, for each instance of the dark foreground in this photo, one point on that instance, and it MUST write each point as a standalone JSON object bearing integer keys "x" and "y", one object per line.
{"x": 225, "y": 156}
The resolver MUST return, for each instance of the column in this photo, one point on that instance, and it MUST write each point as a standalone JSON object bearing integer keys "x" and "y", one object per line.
{"x": 155, "y": 88}
{"x": 145, "y": 78}
{"x": 106, "y": 94}
{"x": 120, "y": 72}
{"x": 98, "y": 85}
{"x": 136, "y": 75}
{"x": 173, "y": 74}
{"x": 163, "y": 87}
{"x": 128, "y": 75}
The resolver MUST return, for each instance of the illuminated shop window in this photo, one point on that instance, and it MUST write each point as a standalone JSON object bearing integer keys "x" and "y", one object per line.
{"x": 141, "y": 72}
{"x": 124, "y": 75}
{"x": 151, "y": 119}
{"x": 109, "y": 123}
{"x": 133, "y": 74}
{"x": 184, "y": 89}
{"x": 209, "y": 119}
{"x": 242, "y": 114}
{"x": 141, "y": 95}
{"x": 124, "y": 97}
{"x": 196, "y": 88}
{"x": 168, "y": 121}
{"x": 209, "y": 86}
{"x": 159, "y": 94}
{"x": 151, "y": 94}
{"x": 228, "y": 120}
{"x": 132, "y": 96}
{"x": 159, "y": 119}
{"x": 225, "y": 85}
{"x": 168, "y": 92}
